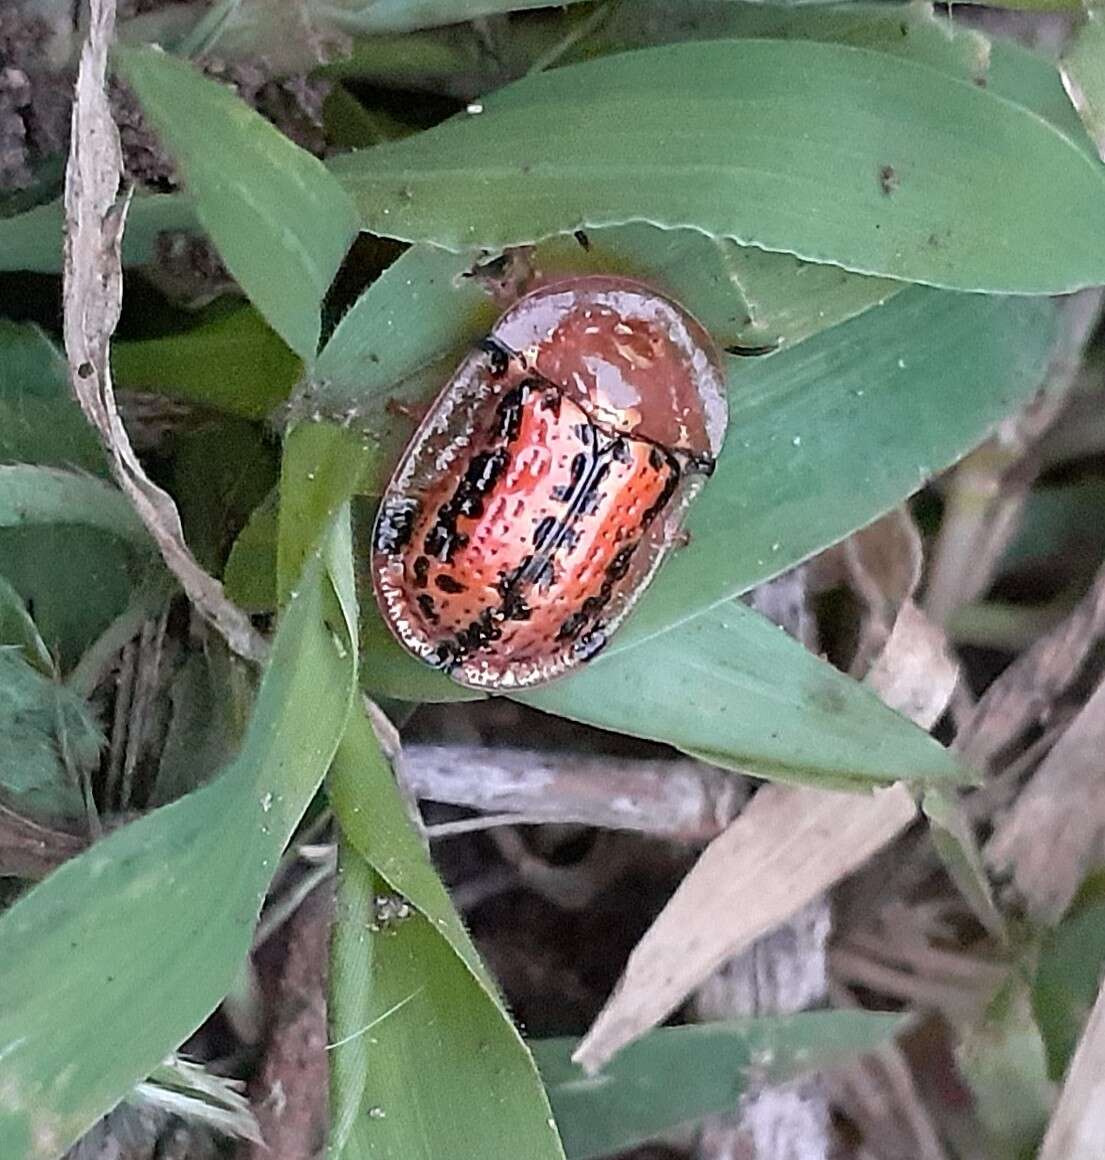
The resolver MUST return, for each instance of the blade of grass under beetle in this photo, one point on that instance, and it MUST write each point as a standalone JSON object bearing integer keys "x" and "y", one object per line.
{"x": 425, "y": 1058}
{"x": 731, "y": 688}
{"x": 822, "y": 439}
{"x": 674, "y": 1075}
{"x": 114, "y": 959}
{"x": 280, "y": 221}
{"x": 832, "y": 153}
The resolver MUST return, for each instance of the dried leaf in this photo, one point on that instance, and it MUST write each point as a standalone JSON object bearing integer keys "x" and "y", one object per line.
{"x": 788, "y": 847}
{"x": 93, "y": 290}
{"x": 1053, "y": 834}
{"x": 1078, "y": 1125}
{"x": 915, "y": 673}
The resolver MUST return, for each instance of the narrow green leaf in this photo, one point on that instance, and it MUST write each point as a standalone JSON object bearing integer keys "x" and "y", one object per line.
{"x": 19, "y": 630}
{"x": 72, "y": 605}
{"x": 1083, "y": 69}
{"x": 382, "y": 16}
{"x": 120, "y": 954}
{"x": 733, "y": 689}
{"x": 674, "y": 1075}
{"x": 1068, "y": 976}
{"x": 40, "y": 721}
{"x": 32, "y": 240}
{"x": 32, "y": 496}
{"x": 901, "y": 171}
{"x": 447, "y": 1072}
{"x": 250, "y": 576}
{"x": 279, "y": 220}
{"x": 40, "y": 421}
{"x": 350, "y": 1010}
{"x": 233, "y": 362}
{"x": 1004, "y": 1064}
{"x": 955, "y": 843}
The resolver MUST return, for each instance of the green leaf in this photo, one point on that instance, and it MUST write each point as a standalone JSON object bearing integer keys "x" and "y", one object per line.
{"x": 115, "y": 958}
{"x": 674, "y": 1075}
{"x": 41, "y": 724}
{"x": 220, "y": 473}
{"x": 18, "y": 629}
{"x": 204, "y": 731}
{"x": 232, "y": 362}
{"x": 843, "y": 155}
{"x": 954, "y": 841}
{"x": 1004, "y": 1063}
{"x": 32, "y": 496}
{"x": 1068, "y": 976}
{"x": 922, "y": 379}
{"x": 32, "y": 240}
{"x": 281, "y": 223}
{"x": 409, "y": 1006}
{"x": 40, "y": 421}
{"x": 1084, "y": 74}
{"x": 733, "y": 689}
{"x": 382, "y": 16}
{"x": 447, "y": 1072}
{"x": 250, "y": 576}
{"x": 72, "y": 606}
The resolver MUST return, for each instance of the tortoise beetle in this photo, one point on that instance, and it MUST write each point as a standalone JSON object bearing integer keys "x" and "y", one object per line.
{"x": 547, "y": 482}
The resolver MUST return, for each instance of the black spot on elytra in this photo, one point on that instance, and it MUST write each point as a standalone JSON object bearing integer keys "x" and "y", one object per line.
{"x": 514, "y": 607}
{"x": 394, "y": 524}
{"x": 497, "y": 355}
{"x": 572, "y": 626}
{"x": 427, "y": 607}
{"x": 510, "y": 410}
{"x": 590, "y": 645}
{"x": 443, "y": 539}
{"x": 445, "y": 583}
{"x": 668, "y": 490}
{"x": 620, "y": 451}
{"x": 421, "y": 571}
{"x": 550, "y": 401}
{"x": 484, "y": 470}
{"x": 619, "y": 566}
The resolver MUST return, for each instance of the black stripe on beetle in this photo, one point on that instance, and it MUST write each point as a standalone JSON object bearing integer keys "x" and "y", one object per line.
{"x": 445, "y": 583}
{"x": 421, "y": 571}
{"x": 619, "y": 566}
{"x": 427, "y": 607}
{"x": 395, "y": 524}
{"x": 497, "y": 355}
{"x": 590, "y": 645}
{"x": 510, "y": 409}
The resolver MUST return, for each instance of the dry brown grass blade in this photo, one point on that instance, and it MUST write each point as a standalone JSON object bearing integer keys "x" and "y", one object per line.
{"x": 1077, "y": 1127}
{"x": 93, "y": 294}
{"x": 785, "y": 849}
{"x": 884, "y": 562}
{"x": 915, "y": 673}
{"x": 1052, "y": 836}
{"x": 1026, "y": 692}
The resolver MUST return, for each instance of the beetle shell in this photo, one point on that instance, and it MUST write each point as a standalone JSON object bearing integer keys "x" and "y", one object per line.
{"x": 547, "y": 482}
